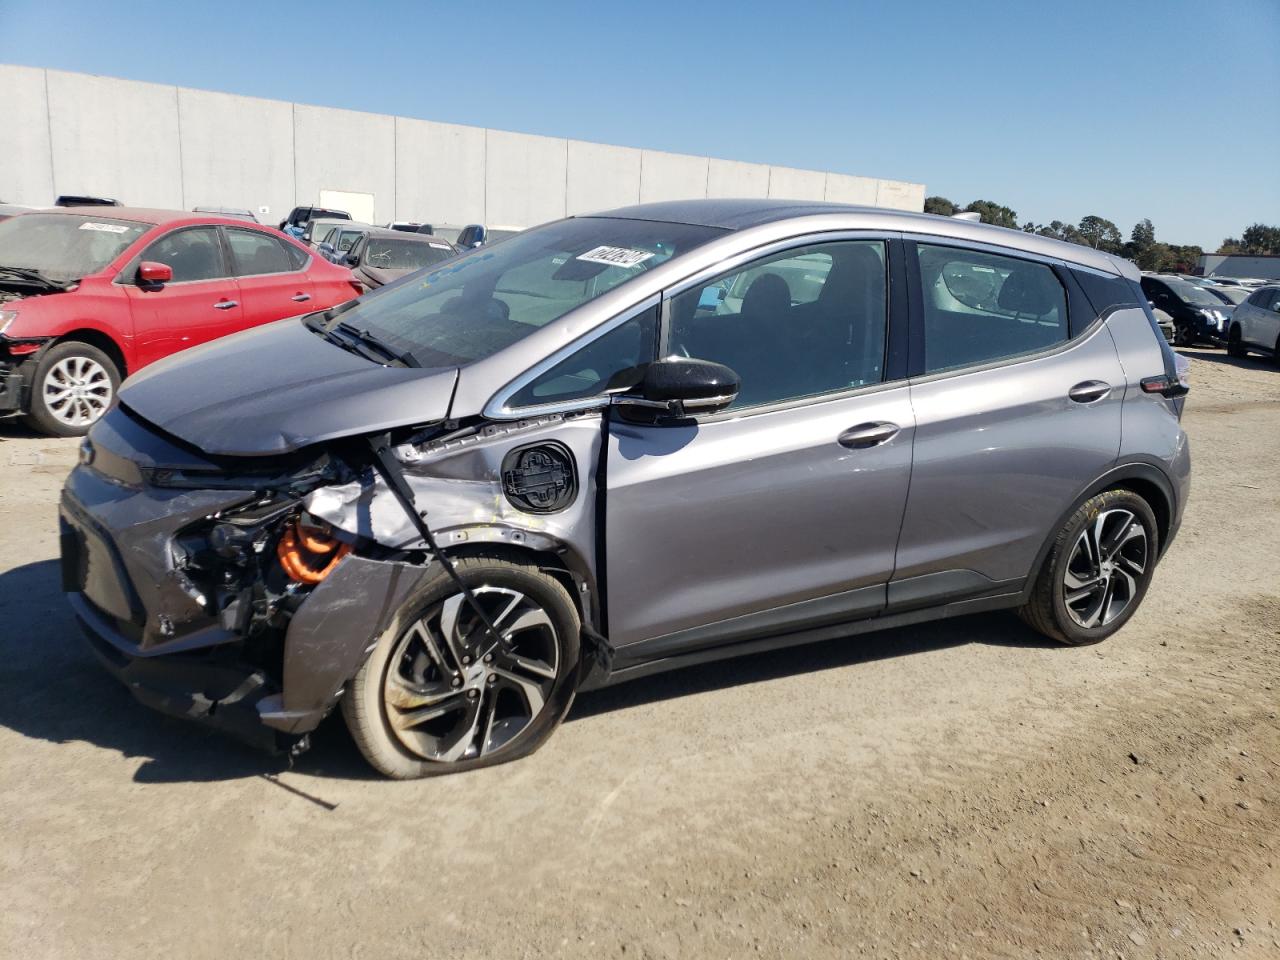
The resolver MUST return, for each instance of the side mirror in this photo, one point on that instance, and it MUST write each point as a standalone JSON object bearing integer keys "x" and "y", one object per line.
{"x": 674, "y": 389}
{"x": 150, "y": 271}
{"x": 351, "y": 260}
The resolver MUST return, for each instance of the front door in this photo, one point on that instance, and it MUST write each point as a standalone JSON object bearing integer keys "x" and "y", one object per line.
{"x": 781, "y": 513}
{"x": 1016, "y": 412}
{"x": 200, "y": 303}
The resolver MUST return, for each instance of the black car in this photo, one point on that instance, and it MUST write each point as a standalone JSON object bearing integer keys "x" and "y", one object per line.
{"x": 78, "y": 200}
{"x": 1197, "y": 314}
{"x": 299, "y": 217}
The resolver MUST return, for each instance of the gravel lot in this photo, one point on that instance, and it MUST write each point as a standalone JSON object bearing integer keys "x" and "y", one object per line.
{"x": 955, "y": 789}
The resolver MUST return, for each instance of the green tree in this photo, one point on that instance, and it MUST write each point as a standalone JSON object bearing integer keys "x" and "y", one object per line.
{"x": 994, "y": 213}
{"x": 1143, "y": 235}
{"x": 939, "y": 205}
{"x": 1261, "y": 239}
{"x": 1100, "y": 233}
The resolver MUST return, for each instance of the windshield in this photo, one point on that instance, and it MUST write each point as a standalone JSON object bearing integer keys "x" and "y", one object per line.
{"x": 64, "y": 247}
{"x": 470, "y": 308}
{"x": 1190, "y": 293}
{"x": 1235, "y": 295}
{"x": 389, "y": 254}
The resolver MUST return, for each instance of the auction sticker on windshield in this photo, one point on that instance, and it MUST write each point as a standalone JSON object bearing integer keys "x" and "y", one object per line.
{"x": 104, "y": 227}
{"x": 616, "y": 256}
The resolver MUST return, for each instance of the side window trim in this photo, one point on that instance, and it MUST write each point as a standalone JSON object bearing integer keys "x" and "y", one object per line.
{"x": 497, "y": 409}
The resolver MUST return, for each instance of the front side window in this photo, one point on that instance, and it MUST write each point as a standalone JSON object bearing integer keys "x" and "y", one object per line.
{"x": 256, "y": 253}
{"x": 62, "y": 247}
{"x": 586, "y": 372}
{"x": 471, "y": 307}
{"x": 980, "y": 307}
{"x": 192, "y": 254}
{"x": 346, "y": 239}
{"x": 801, "y": 323}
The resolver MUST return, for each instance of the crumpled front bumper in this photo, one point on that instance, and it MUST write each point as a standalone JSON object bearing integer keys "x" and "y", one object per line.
{"x": 149, "y": 631}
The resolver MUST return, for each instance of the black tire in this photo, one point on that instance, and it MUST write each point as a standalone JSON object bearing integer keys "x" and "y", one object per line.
{"x": 365, "y": 705}
{"x": 45, "y": 414}
{"x": 1047, "y": 610}
{"x": 1182, "y": 335}
{"x": 1235, "y": 348}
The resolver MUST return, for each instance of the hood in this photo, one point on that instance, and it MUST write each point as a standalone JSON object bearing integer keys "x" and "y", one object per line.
{"x": 377, "y": 277}
{"x": 280, "y": 387}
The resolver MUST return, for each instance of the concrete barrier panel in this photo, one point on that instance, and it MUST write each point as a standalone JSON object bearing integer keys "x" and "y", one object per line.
{"x": 733, "y": 178}
{"x": 439, "y": 172}
{"x": 601, "y": 177}
{"x": 526, "y": 179}
{"x": 672, "y": 176}
{"x": 842, "y": 188}
{"x": 789, "y": 183}
{"x": 115, "y": 138}
{"x": 348, "y": 151}
{"x": 898, "y": 195}
{"x": 25, "y": 176}
{"x": 236, "y": 152}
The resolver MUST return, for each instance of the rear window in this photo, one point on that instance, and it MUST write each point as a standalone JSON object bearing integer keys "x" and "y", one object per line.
{"x": 389, "y": 253}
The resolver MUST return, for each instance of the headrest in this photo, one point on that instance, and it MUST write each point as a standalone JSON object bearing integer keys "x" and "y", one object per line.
{"x": 768, "y": 295}
{"x": 1030, "y": 290}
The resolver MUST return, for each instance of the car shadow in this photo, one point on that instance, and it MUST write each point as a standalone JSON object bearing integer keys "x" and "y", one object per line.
{"x": 12, "y": 428}
{"x": 1252, "y": 362}
{"x": 53, "y": 689}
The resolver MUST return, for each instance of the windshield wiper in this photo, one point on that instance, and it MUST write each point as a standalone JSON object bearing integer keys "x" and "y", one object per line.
{"x": 34, "y": 276}
{"x": 381, "y": 346}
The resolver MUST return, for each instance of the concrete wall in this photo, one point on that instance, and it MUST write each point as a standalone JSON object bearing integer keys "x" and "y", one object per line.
{"x": 161, "y": 146}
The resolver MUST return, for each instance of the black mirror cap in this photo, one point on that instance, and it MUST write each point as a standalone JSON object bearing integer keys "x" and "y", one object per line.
{"x": 676, "y": 388}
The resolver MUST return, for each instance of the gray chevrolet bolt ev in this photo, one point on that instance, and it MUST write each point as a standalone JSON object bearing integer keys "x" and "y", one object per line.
{"x": 619, "y": 444}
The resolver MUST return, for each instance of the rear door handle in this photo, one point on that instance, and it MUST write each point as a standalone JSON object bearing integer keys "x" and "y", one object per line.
{"x": 225, "y": 304}
{"x": 868, "y": 435}
{"x": 1089, "y": 391}
{"x": 300, "y": 297}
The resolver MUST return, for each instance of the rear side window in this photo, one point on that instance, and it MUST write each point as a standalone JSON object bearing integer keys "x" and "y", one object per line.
{"x": 1106, "y": 292}
{"x": 256, "y": 253}
{"x": 981, "y": 307}
{"x": 296, "y": 257}
{"x": 193, "y": 254}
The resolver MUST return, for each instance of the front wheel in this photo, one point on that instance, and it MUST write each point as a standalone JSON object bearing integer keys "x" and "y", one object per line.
{"x": 75, "y": 383}
{"x": 1235, "y": 347}
{"x": 1182, "y": 335}
{"x": 438, "y": 694}
{"x": 1097, "y": 571}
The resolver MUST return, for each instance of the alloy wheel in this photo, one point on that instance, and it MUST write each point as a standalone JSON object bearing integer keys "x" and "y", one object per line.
{"x": 453, "y": 693}
{"x": 77, "y": 391}
{"x": 1107, "y": 563}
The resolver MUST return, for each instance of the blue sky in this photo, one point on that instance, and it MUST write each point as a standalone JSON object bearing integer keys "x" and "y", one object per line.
{"x": 1168, "y": 110}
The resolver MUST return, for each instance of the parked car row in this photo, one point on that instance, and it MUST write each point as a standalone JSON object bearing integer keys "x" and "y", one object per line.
{"x": 377, "y": 255}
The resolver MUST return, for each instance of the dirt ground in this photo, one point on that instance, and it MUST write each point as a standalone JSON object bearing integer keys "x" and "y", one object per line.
{"x": 960, "y": 789}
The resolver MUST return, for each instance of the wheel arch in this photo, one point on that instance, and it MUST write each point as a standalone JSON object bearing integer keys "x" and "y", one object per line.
{"x": 96, "y": 338}
{"x": 1144, "y": 479}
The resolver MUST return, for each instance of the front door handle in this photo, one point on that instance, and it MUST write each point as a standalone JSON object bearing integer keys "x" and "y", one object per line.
{"x": 300, "y": 297}
{"x": 225, "y": 304}
{"x": 1089, "y": 391}
{"x": 868, "y": 435}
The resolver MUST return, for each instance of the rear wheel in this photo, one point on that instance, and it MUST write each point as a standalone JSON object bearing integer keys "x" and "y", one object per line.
{"x": 75, "y": 383}
{"x": 1182, "y": 335}
{"x": 439, "y": 695}
{"x": 1235, "y": 347}
{"x": 1097, "y": 571}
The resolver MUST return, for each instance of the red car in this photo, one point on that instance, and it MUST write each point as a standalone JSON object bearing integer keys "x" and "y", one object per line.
{"x": 89, "y": 295}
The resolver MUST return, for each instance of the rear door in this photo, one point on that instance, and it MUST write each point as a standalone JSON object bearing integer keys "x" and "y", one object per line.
{"x": 782, "y": 513}
{"x": 272, "y": 286}
{"x": 1266, "y": 321}
{"x": 1017, "y": 400}
{"x": 201, "y": 303}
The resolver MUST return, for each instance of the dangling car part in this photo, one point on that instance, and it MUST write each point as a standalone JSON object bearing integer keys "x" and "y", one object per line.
{"x": 620, "y": 444}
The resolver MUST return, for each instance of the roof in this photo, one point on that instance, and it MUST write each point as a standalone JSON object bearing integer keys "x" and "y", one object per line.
{"x": 744, "y": 214}
{"x": 144, "y": 215}
{"x": 402, "y": 235}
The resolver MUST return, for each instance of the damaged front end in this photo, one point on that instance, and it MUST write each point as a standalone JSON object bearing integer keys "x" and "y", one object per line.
{"x": 246, "y": 592}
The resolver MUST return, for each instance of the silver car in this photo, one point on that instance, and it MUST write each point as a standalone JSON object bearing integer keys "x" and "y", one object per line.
{"x": 1255, "y": 324}
{"x": 620, "y": 444}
